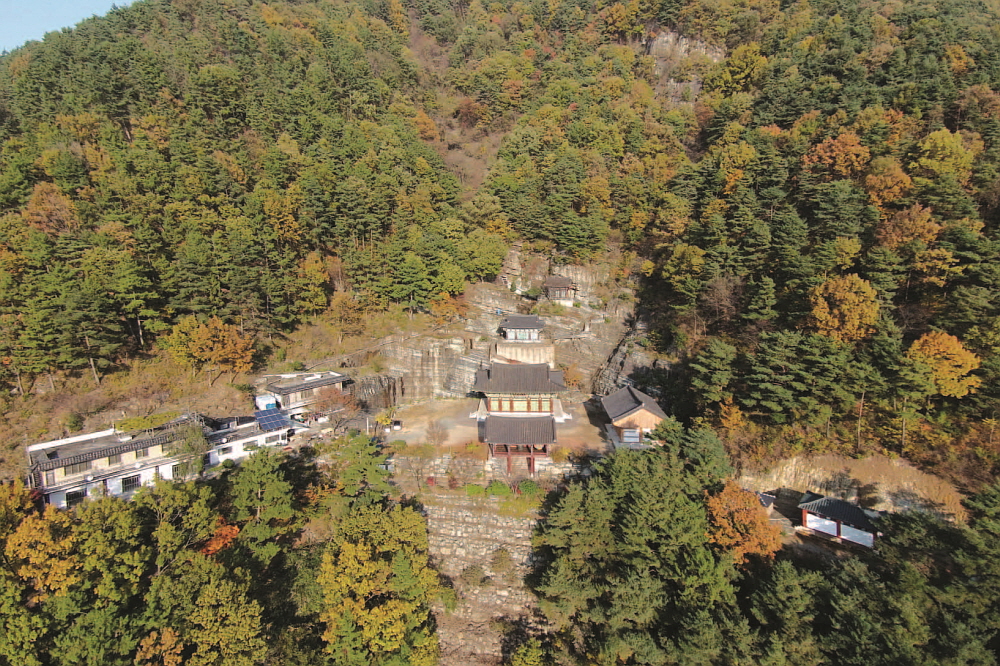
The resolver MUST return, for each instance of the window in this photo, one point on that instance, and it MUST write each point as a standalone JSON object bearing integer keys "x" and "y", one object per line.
{"x": 225, "y": 450}
{"x": 520, "y": 406}
{"x": 251, "y": 446}
{"x": 272, "y": 439}
{"x": 130, "y": 483}
{"x": 77, "y": 468}
{"x": 50, "y": 478}
{"x": 175, "y": 471}
{"x": 115, "y": 459}
{"x": 74, "y": 497}
{"x": 142, "y": 453}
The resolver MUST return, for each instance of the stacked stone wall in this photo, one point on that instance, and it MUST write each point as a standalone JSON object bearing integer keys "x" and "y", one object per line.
{"x": 468, "y": 532}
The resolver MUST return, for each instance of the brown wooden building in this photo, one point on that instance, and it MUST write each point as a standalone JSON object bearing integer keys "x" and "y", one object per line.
{"x": 559, "y": 288}
{"x": 632, "y": 414}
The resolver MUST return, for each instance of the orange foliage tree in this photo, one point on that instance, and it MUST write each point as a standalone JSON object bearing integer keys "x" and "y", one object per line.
{"x": 740, "y": 525}
{"x": 911, "y": 224}
{"x": 224, "y": 535}
{"x": 950, "y": 363}
{"x": 839, "y": 157}
{"x": 886, "y": 181}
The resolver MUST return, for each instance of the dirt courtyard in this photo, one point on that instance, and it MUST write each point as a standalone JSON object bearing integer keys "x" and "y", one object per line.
{"x": 583, "y": 433}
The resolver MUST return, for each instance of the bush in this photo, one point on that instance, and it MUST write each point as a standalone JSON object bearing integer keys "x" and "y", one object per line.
{"x": 228, "y": 464}
{"x": 560, "y": 455}
{"x": 529, "y": 488}
{"x": 472, "y": 490}
{"x": 74, "y": 422}
{"x": 502, "y": 561}
{"x": 498, "y": 489}
{"x": 474, "y": 575}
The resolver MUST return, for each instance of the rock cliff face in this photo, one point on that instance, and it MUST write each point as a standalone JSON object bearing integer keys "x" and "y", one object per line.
{"x": 429, "y": 367}
{"x": 670, "y": 50}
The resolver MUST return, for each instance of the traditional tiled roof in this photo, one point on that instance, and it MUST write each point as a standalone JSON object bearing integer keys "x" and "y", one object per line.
{"x": 558, "y": 282}
{"x": 840, "y": 510}
{"x": 522, "y": 321}
{"x": 526, "y": 378}
{"x": 294, "y": 385}
{"x": 520, "y": 430}
{"x": 628, "y": 400}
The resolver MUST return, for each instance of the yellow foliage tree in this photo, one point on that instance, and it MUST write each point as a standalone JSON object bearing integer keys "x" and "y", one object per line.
{"x": 41, "y": 550}
{"x": 949, "y": 361}
{"x": 844, "y": 308}
{"x": 945, "y": 153}
{"x": 377, "y": 587}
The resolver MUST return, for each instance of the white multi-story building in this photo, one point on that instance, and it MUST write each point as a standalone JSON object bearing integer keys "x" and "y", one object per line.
{"x": 67, "y": 471}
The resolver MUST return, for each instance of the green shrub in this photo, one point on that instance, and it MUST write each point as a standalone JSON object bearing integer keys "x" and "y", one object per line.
{"x": 529, "y": 488}
{"x": 74, "y": 422}
{"x": 472, "y": 490}
{"x": 228, "y": 464}
{"x": 498, "y": 489}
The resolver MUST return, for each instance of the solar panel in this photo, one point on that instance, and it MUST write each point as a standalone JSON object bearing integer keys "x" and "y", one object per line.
{"x": 270, "y": 419}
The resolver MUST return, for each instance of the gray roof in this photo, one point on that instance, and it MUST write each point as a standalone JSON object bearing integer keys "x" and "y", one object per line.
{"x": 294, "y": 385}
{"x": 520, "y": 430}
{"x": 93, "y": 448}
{"x": 628, "y": 400}
{"x": 522, "y": 321}
{"x": 526, "y": 378}
{"x": 840, "y": 510}
{"x": 558, "y": 281}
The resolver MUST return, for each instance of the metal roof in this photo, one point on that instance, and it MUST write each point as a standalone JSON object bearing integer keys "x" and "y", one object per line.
{"x": 627, "y": 401}
{"x": 840, "y": 510}
{"x": 519, "y": 378}
{"x": 522, "y": 321}
{"x": 288, "y": 386}
{"x": 520, "y": 430}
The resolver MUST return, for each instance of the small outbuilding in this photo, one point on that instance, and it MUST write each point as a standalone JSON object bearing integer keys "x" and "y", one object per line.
{"x": 837, "y": 518}
{"x": 632, "y": 414}
{"x": 560, "y": 289}
{"x": 522, "y": 328}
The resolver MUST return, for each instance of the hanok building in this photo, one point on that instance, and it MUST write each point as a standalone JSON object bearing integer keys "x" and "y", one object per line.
{"x": 838, "y": 519}
{"x": 519, "y": 412}
{"x": 521, "y": 341}
{"x": 295, "y": 393}
{"x": 560, "y": 289}
{"x": 633, "y": 414}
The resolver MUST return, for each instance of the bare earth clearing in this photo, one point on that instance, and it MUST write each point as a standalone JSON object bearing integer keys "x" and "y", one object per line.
{"x": 877, "y": 482}
{"x": 583, "y": 434}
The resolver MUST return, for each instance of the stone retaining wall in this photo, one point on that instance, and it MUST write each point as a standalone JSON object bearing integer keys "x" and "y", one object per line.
{"x": 468, "y": 531}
